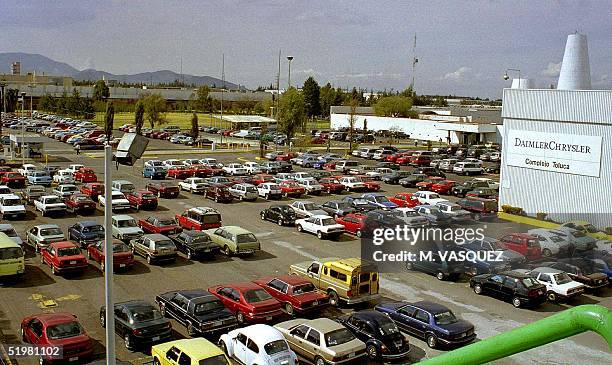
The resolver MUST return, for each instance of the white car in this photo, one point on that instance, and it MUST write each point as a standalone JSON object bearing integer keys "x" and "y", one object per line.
{"x": 244, "y": 191}
{"x": 351, "y": 183}
{"x": 4, "y": 189}
{"x": 311, "y": 185}
{"x": 297, "y": 176}
{"x": 65, "y": 190}
{"x": 118, "y": 201}
{"x": 75, "y": 167}
{"x": 154, "y": 163}
{"x": 63, "y": 177}
{"x": 212, "y": 162}
{"x": 27, "y": 168}
{"x": 550, "y": 242}
{"x": 193, "y": 185}
{"x": 454, "y": 211}
{"x": 269, "y": 191}
{"x": 320, "y": 224}
{"x": 428, "y": 197}
{"x": 378, "y": 172}
{"x": 410, "y": 217}
{"x": 191, "y": 162}
{"x": 168, "y": 164}
{"x": 11, "y": 206}
{"x": 559, "y": 286}
{"x": 492, "y": 183}
{"x": 252, "y": 168}
{"x": 235, "y": 169}
{"x": 305, "y": 209}
{"x": 50, "y": 204}
{"x": 467, "y": 168}
{"x": 257, "y": 344}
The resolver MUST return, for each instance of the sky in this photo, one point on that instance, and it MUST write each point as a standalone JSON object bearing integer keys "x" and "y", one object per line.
{"x": 463, "y": 47}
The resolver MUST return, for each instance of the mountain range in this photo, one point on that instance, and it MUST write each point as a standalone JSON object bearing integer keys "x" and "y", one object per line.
{"x": 44, "y": 65}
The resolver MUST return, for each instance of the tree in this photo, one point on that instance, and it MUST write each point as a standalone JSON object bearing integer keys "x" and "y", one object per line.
{"x": 109, "y": 119}
{"x": 311, "y": 92}
{"x": 352, "y": 119}
{"x": 327, "y": 98}
{"x": 87, "y": 108}
{"x": 155, "y": 107}
{"x": 263, "y": 107}
{"x": 101, "y": 91}
{"x": 291, "y": 112}
{"x": 393, "y": 106}
{"x": 139, "y": 116}
{"x": 440, "y": 101}
{"x": 195, "y": 131}
{"x": 203, "y": 100}
{"x": 74, "y": 103}
{"x": 12, "y": 97}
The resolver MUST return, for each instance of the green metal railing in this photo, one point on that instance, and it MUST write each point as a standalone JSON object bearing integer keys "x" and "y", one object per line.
{"x": 568, "y": 323}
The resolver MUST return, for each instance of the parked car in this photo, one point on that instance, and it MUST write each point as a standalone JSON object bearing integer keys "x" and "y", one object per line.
{"x": 281, "y": 214}
{"x": 551, "y": 242}
{"x": 154, "y": 247}
{"x": 154, "y": 172}
{"x": 328, "y": 341}
{"x": 234, "y": 240}
{"x": 269, "y": 190}
{"x": 195, "y": 244}
{"x": 11, "y": 206}
{"x": 118, "y": 201}
{"x": 481, "y": 209}
{"x": 163, "y": 189}
{"x": 218, "y": 192}
{"x": 142, "y": 199}
{"x": 244, "y": 191}
{"x": 58, "y": 329}
{"x": 85, "y": 175}
{"x": 13, "y": 179}
{"x": 516, "y": 287}
{"x": 513, "y": 258}
{"x": 63, "y": 257}
{"x": 379, "y": 201}
{"x": 50, "y": 204}
{"x": 93, "y": 190}
{"x": 337, "y": 208}
{"x": 323, "y": 226}
{"x": 65, "y": 190}
{"x": 249, "y": 302}
{"x": 304, "y": 209}
{"x": 40, "y": 236}
{"x": 123, "y": 258}
{"x": 80, "y": 203}
{"x": 199, "y": 218}
{"x": 139, "y": 323}
{"x": 331, "y": 185}
{"x": 125, "y": 228}
{"x": 523, "y": 243}
{"x": 39, "y": 178}
{"x": 202, "y": 313}
{"x": 297, "y": 295}
{"x": 582, "y": 270}
{"x": 456, "y": 213}
{"x": 86, "y": 233}
{"x": 235, "y": 169}
{"x": 179, "y": 172}
{"x": 559, "y": 286}
{"x": 188, "y": 351}
{"x": 580, "y": 242}
{"x": 257, "y": 344}
{"x": 412, "y": 180}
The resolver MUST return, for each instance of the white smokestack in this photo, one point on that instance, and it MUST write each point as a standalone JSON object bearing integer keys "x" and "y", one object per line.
{"x": 575, "y": 70}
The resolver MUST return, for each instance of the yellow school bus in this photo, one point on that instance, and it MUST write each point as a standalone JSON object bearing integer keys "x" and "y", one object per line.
{"x": 12, "y": 261}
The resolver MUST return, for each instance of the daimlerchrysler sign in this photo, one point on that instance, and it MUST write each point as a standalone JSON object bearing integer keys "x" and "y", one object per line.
{"x": 565, "y": 153}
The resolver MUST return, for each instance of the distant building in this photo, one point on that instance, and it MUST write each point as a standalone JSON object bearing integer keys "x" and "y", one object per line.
{"x": 16, "y": 68}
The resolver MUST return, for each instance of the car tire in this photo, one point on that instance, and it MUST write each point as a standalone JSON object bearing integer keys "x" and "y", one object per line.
{"x": 280, "y": 222}
{"x": 127, "y": 340}
{"x": 358, "y": 233}
{"x": 546, "y": 252}
{"x": 432, "y": 341}
{"x": 223, "y": 347}
{"x": 516, "y": 302}
{"x": 299, "y": 228}
{"x": 440, "y": 275}
{"x": 319, "y": 361}
{"x": 240, "y": 318}
{"x": 333, "y": 298}
{"x": 289, "y": 309}
{"x": 189, "y": 255}
{"x": 149, "y": 259}
{"x": 372, "y": 352}
{"x": 409, "y": 266}
{"x": 320, "y": 235}
{"x": 227, "y": 251}
{"x": 551, "y": 296}
{"x": 190, "y": 330}
{"x": 103, "y": 320}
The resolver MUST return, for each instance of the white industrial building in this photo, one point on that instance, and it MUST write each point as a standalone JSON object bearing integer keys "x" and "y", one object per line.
{"x": 557, "y": 145}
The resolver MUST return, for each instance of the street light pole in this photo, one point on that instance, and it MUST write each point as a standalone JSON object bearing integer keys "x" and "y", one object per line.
{"x": 23, "y": 94}
{"x": 506, "y": 77}
{"x": 108, "y": 257}
{"x": 2, "y": 102}
{"x": 289, "y": 58}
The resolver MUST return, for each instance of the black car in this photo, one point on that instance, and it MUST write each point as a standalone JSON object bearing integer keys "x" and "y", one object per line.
{"x": 516, "y": 287}
{"x": 195, "y": 244}
{"x": 582, "y": 270}
{"x": 479, "y": 207}
{"x": 389, "y": 165}
{"x": 411, "y": 180}
{"x": 462, "y": 189}
{"x": 318, "y": 175}
{"x": 281, "y": 214}
{"x": 139, "y": 324}
{"x": 493, "y": 169}
{"x": 270, "y": 167}
{"x": 337, "y": 208}
{"x": 358, "y": 203}
{"x": 381, "y": 335}
{"x": 394, "y": 177}
{"x": 433, "y": 322}
{"x": 199, "y": 311}
{"x": 440, "y": 261}
{"x": 285, "y": 166}
{"x": 429, "y": 171}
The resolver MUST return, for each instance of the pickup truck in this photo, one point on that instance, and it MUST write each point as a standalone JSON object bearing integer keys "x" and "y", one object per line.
{"x": 50, "y": 204}
{"x": 11, "y": 206}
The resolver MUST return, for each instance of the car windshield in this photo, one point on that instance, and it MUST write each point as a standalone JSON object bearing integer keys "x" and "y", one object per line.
{"x": 11, "y": 201}
{"x": 117, "y": 195}
{"x": 9, "y": 232}
{"x": 10, "y": 253}
{"x": 64, "y": 330}
{"x": 381, "y": 199}
{"x": 215, "y": 360}
{"x": 90, "y": 229}
{"x": 275, "y": 347}
{"x": 328, "y": 221}
{"x": 445, "y": 318}
{"x": 303, "y": 289}
{"x": 70, "y": 251}
{"x": 578, "y": 234}
{"x": 205, "y": 307}
{"x": 256, "y": 295}
{"x": 387, "y": 327}
{"x": 144, "y": 313}
{"x": 120, "y": 247}
{"x": 53, "y": 200}
{"x": 127, "y": 223}
{"x": 555, "y": 238}
{"x": 245, "y": 238}
{"x": 528, "y": 282}
{"x": 562, "y": 278}
{"x": 310, "y": 206}
{"x": 211, "y": 218}
{"x": 164, "y": 244}
{"x": 286, "y": 209}
{"x": 338, "y": 337}
{"x": 51, "y": 232}
{"x": 590, "y": 228}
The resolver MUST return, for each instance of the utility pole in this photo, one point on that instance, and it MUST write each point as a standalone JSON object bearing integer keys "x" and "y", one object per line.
{"x": 23, "y": 95}
{"x": 31, "y": 86}
{"x": 278, "y": 86}
{"x": 415, "y": 60}
{"x": 222, "y": 89}
{"x": 108, "y": 258}
{"x": 2, "y": 102}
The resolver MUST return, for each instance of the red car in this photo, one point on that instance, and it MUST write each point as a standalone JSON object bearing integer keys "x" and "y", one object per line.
{"x": 318, "y": 140}
{"x": 13, "y": 179}
{"x": 161, "y": 225}
{"x": 248, "y": 301}
{"x": 123, "y": 258}
{"x": 330, "y": 166}
{"x": 142, "y": 199}
{"x": 370, "y": 183}
{"x": 291, "y": 188}
{"x": 420, "y": 160}
{"x": 163, "y": 189}
{"x": 404, "y": 200}
{"x": 353, "y": 223}
{"x": 92, "y": 190}
{"x": 286, "y": 156}
{"x": 85, "y": 175}
{"x": 63, "y": 256}
{"x": 404, "y": 159}
{"x": 199, "y": 218}
{"x": 428, "y": 183}
{"x": 80, "y": 203}
{"x": 523, "y": 243}
{"x": 331, "y": 185}
{"x": 200, "y": 170}
{"x": 262, "y": 178}
{"x": 296, "y": 293}
{"x": 179, "y": 172}
{"x": 61, "y": 330}
{"x": 443, "y": 187}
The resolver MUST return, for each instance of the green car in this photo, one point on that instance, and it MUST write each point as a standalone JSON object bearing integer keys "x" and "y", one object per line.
{"x": 234, "y": 240}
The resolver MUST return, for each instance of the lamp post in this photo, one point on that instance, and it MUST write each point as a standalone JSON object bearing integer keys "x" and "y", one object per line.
{"x": 289, "y": 58}
{"x": 31, "y": 86}
{"x": 2, "y": 102}
{"x": 506, "y": 77}
{"x": 23, "y": 94}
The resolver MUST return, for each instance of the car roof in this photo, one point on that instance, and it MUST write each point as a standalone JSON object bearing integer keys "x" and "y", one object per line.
{"x": 261, "y": 333}
{"x": 195, "y": 293}
{"x": 322, "y": 216}
{"x": 547, "y": 270}
{"x": 430, "y": 307}
{"x": 324, "y": 324}
{"x": 63, "y": 244}
{"x": 89, "y": 223}
{"x": 43, "y": 226}
{"x": 50, "y": 319}
{"x": 235, "y": 229}
{"x": 197, "y": 348}
{"x": 122, "y": 217}
{"x": 156, "y": 236}
{"x": 369, "y": 315}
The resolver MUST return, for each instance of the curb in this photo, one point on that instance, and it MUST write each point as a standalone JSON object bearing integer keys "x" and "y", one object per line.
{"x": 526, "y": 220}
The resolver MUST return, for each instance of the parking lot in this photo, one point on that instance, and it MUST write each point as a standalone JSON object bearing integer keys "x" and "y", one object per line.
{"x": 281, "y": 246}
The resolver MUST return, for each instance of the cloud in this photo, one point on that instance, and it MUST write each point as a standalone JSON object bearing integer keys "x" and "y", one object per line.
{"x": 552, "y": 70}
{"x": 458, "y": 75}
{"x": 309, "y": 71}
{"x": 368, "y": 75}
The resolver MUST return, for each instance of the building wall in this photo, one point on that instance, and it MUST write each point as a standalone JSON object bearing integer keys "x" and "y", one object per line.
{"x": 562, "y": 196}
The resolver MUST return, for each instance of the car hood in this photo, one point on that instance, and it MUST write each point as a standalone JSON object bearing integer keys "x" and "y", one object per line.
{"x": 512, "y": 255}
{"x": 316, "y": 212}
{"x": 567, "y": 286}
{"x": 129, "y": 229}
{"x": 14, "y": 208}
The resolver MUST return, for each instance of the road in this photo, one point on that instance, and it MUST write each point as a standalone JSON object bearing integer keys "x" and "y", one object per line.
{"x": 282, "y": 246}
